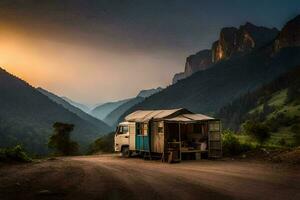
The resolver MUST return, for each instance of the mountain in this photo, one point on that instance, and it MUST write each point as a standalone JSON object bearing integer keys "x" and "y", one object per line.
{"x": 113, "y": 118}
{"x": 228, "y": 78}
{"x": 289, "y": 36}
{"x": 232, "y": 41}
{"x": 277, "y": 104}
{"x": 59, "y": 100}
{"x": 198, "y": 62}
{"x": 149, "y": 92}
{"x": 27, "y": 116}
{"x": 101, "y": 111}
{"x": 82, "y": 107}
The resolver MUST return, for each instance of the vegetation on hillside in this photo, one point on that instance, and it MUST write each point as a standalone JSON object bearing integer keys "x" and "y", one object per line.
{"x": 27, "y": 116}
{"x": 232, "y": 145}
{"x": 271, "y": 113}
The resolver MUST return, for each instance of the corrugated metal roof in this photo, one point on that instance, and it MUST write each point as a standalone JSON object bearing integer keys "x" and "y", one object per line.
{"x": 146, "y": 115}
{"x": 179, "y": 114}
{"x": 190, "y": 118}
{"x": 198, "y": 117}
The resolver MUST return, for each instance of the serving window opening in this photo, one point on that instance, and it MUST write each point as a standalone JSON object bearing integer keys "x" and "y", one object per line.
{"x": 189, "y": 140}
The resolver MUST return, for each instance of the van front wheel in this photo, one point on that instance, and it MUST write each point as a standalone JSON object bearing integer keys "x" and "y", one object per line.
{"x": 125, "y": 152}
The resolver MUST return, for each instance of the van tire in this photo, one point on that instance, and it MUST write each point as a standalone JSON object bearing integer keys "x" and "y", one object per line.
{"x": 125, "y": 152}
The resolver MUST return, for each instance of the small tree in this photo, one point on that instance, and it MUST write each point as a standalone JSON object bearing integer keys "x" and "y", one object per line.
{"x": 61, "y": 142}
{"x": 259, "y": 131}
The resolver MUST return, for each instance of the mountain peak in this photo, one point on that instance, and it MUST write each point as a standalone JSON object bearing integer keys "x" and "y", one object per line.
{"x": 234, "y": 41}
{"x": 289, "y": 35}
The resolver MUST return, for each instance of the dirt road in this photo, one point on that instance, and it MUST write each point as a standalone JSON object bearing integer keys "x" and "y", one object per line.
{"x": 112, "y": 177}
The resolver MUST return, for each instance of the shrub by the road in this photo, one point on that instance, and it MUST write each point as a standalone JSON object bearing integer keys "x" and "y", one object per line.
{"x": 14, "y": 154}
{"x": 103, "y": 144}
{"x": 259, "y": 131}
{"x": 232, "y": 146}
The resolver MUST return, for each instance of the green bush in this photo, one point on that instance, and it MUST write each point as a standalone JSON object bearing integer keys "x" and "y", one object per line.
{"x": 259, "y": 131}
{"x": 14, "y": 154}
{"x": 232, "y": 146}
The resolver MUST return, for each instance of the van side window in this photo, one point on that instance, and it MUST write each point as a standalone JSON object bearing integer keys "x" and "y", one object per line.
{"x": 122, "y": 129}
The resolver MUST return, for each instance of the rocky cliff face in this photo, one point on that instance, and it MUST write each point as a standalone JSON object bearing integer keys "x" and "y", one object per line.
{"x": 233, "y": 41}
{"x": 178, "y": 76}
{"x": 225, "y": 46}
{"x": 289, "y": 35}
{"x": 197, "y": 62}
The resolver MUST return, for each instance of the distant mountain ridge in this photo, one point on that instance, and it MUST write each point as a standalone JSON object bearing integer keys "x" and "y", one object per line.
{"x": 81, "y": 106}
{"x": 59, "y": 100}
{"x": 231, "y": 76}
{"x": 101, "y": 111}
{"x": 113, "y": 117}
{"x": 27, "y": 116}
{"x": 232, "y": 41}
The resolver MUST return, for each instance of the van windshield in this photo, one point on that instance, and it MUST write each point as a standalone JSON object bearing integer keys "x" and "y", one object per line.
{"x": 122, "y": 129}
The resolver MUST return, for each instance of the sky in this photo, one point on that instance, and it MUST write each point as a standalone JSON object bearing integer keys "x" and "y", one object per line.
{"x": 94, "y": 51}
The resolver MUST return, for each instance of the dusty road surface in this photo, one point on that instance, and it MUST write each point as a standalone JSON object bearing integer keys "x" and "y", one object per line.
{"x": 112, "y": 177}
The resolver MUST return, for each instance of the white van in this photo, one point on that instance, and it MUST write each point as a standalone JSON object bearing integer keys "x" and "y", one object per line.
{"x": 125, "y": 138}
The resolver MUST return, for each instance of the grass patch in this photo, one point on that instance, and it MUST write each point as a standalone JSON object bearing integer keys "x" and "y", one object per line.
{"x": 283, "y": 137}
{"x": 278, "y": 98}
{"x": 14, "y": 154}
{"x": 234, "y": 145}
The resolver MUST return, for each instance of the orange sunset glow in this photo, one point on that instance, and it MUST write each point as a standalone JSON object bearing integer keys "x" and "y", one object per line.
{"x": 78, "y": 69}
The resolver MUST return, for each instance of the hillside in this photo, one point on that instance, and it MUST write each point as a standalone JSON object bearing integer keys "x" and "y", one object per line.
{"x": 232, "y": 42}
{"x": 101, "y": 111}
{"x": 96, "y": 122}
{"x": 76, "y": 104}
{"x": 26, "y": 117}
{"x": 209, "y": 90}
{"x": 277, "y": 104}
{"x": 113, "y": 118}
